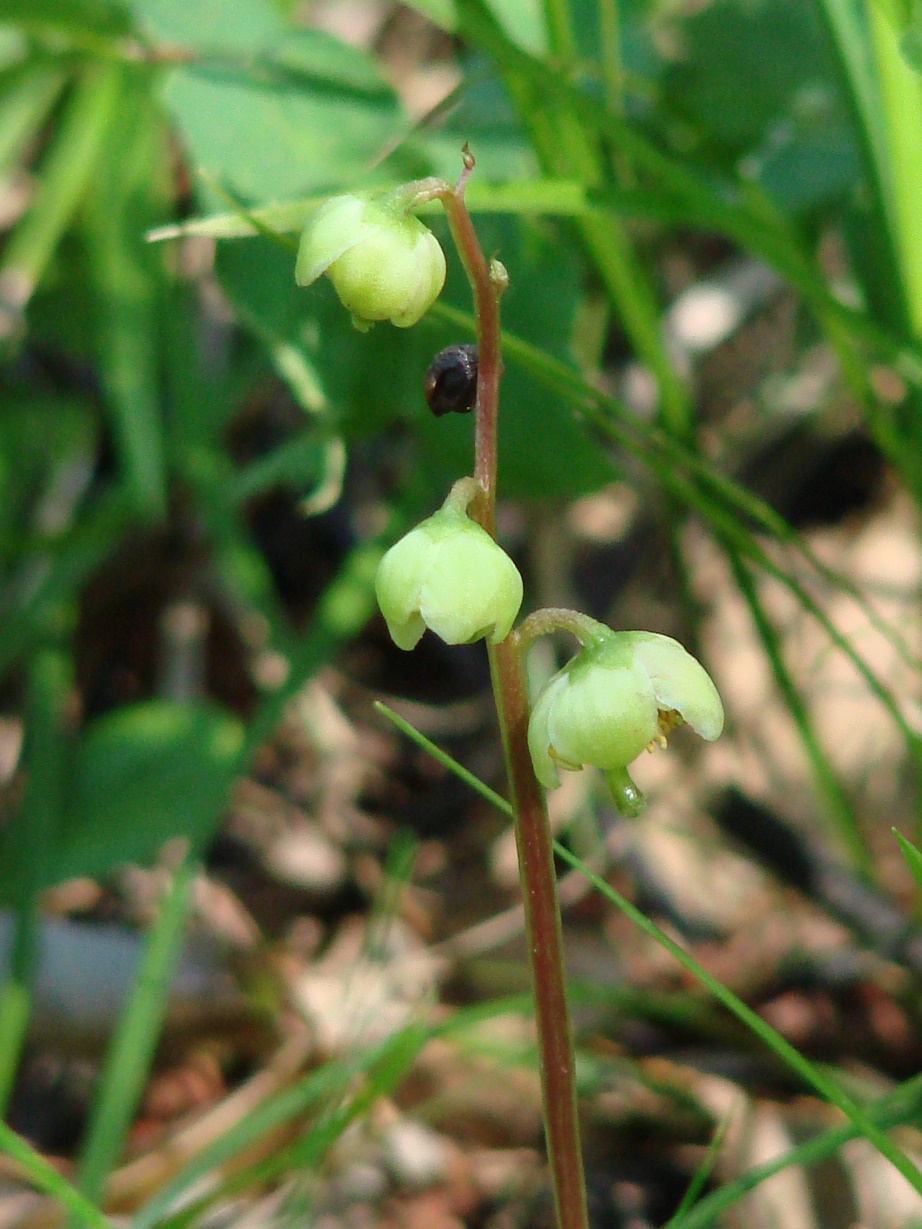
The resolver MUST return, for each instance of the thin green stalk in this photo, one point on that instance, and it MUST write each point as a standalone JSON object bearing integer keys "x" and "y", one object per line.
{"x": 901, "y": 97}
{"x": 65, "y": 175}
{"x": 848, "y": 39}
{"x": 826, "y": 780}
{"x": 134, "y": 1041}
{"x": 812, "y": 1076}
{"x": 33, "y": 835}
{"x": 126, "y": 275}
{"x": 43, "y": 1175}
{"x": 314, "y": 1090}
{"x": 898, "y": 1107}
{"x": 532, "y": 826}
{"x": 568, "y": 147}
{"x": 612, "y": 63}
{"x": 559, "y": 30}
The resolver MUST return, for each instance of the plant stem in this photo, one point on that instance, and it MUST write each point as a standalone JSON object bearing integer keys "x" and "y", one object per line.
{"x": 532, "y": 827}
{"x": 558, "y": 619}
{"x": 489, "y": 356}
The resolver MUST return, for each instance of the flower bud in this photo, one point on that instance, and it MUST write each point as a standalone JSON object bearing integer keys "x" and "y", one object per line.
{"x": 450, "y": 576}
{"x": 382, "y": 261}
{"x": 620, "y": 694}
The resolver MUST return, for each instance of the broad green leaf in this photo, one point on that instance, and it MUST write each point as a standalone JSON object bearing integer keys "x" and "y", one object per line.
{"x": 756, "y": 86}
{"x": 440, "y": 12}
{"x": 312, "y": 114}
{"x": 543, "y": 451}
{"x": 210, "y": 26}
{"x": 143, "y": 775}
{"x": 373, "y": 380}
{"x": 74, "y": 18}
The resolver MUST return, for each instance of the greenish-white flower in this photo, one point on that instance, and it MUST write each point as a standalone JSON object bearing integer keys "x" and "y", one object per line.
{"x": 623, "y": 692}
{"x": 383, "y": 262}
{"x": 449, "y": 575}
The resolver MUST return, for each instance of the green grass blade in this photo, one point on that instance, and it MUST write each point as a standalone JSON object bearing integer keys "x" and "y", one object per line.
{"x": 46, "y": 1178}
{"x": 27, "y": 98}
{"x": 811, "y": 1075}
{"x": 135, "y": 1040}
{"x": 126, "y": 278}
{"x": 316, "y": 1089}
{"x": 863, "y": 1122}
{"x": 826, "y": 780}
{"x": 65, "y": 175}
{"x": 898, "y": 1107}
{"x": 913, "y": 857}
{"x": 32, "y": 836}
{"x": 441, "y": 757}
{"x": 901, "y": 95}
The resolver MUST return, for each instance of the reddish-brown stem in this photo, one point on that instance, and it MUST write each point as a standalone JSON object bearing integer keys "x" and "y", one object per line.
{"x": 532, "y": 828}
{"x": 489, "y": 361}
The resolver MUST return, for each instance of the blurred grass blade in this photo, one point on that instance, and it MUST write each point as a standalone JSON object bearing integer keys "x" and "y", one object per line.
{"x": 527, "y": 198}
{"x": 126, "y": 279}
{"x": 28, "y": 95}
{"x": 826, "y": 780}
{"x": 31, "y": 838}
{"x": 811, "y": 1075}
{"x": 65, "y": 173}
{"x": 901, "y": 98}
{"x": 863, "y": 1122}
{"x": 89, "y": 23}
{"x": 332, "y": 1080}
{"x": 720, "y": 501}
{"x": 134, "y": 1041}
{"x": 46, "y": 1178}
{"x": 913, "y": 858}
{"x": 570, "y": 148}
{"x": 897, "y": 1108}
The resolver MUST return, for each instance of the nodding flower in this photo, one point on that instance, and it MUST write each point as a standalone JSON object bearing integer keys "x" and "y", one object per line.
{"x": 449, "y": 575}
{"x": 621, "y": 693}
{"x": 383, "y": 262}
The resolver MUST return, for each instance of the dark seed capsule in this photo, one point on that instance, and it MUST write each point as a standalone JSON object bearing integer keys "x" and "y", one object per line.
{"x": 450, "y": 386}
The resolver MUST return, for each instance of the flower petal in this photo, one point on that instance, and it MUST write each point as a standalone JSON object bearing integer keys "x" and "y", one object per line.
{"x": 331, "y": 230}
{"x": 398, "y": 582}
{"x": 539, "y": 740}
{"x": 604, "y": 716}
{"x": 679, "y": 682}
{"x": 472, "y": 589}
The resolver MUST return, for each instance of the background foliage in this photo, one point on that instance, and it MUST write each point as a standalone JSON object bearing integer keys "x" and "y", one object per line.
{"x": 157, "y": 396}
